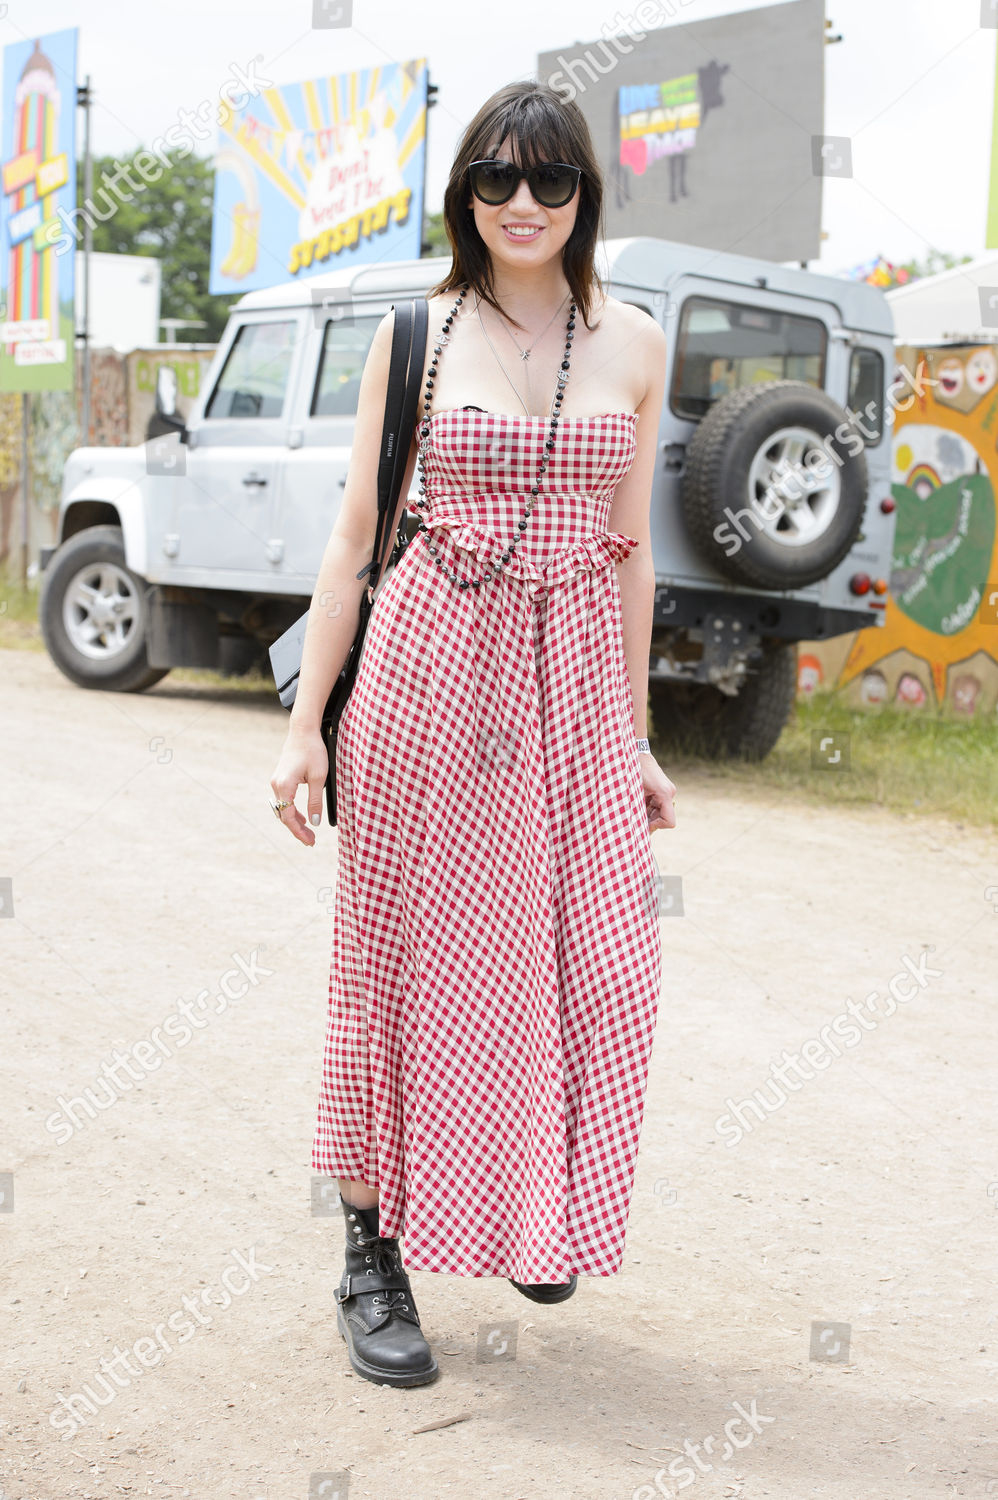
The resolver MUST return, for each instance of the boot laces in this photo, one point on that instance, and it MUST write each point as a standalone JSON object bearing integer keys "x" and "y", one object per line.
{"x": 393, "y": 1301}
{"x": 385, "y": 1256}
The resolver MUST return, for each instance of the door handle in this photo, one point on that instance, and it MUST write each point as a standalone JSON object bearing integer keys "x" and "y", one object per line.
{"x": 254, "y": 479}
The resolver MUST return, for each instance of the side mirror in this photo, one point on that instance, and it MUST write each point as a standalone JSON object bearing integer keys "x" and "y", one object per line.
{"x": 166, "y": 391}
{"x": 165, "y": 418}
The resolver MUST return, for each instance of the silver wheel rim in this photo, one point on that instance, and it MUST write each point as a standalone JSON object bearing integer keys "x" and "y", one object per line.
{"x": 795, "y": 500}
{"x": 100, "y": 611}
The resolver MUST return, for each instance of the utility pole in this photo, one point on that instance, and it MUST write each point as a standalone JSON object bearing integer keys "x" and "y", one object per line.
{"x": 431, "y": 99}
{"x": 84, "y": 99}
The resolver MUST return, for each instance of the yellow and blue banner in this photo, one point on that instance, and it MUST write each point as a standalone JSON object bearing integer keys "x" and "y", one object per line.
{"x": 312, "y": 176}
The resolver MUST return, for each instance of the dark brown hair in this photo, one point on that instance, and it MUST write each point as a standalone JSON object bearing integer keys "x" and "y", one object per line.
{"x": 543, "y": 126}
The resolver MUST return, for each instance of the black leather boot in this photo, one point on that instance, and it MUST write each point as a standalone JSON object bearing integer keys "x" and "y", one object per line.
{"x": 376, "y": 1311}
{"x": 544, "y": 1291}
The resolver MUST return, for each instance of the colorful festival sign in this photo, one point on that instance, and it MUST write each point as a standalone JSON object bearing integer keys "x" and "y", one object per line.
{"x": 312, "y": 176}
{"x": 38, "y": 317}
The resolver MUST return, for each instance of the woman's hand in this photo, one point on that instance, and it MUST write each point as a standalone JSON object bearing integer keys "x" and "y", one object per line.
{"x": 303, "y": 759}
{"x": 660, "y": 794}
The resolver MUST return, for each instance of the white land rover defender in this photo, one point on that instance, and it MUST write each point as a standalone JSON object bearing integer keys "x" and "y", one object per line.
{"x": 771, "y": 520}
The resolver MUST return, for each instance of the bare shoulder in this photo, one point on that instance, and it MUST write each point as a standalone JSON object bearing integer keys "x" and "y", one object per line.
{"x": 440, "y": 306}
{"x": 635, "y": 340}
{"x": 628, "y": 321}
{"x": 381, "y": 343}
{"x": 382, "y": 340}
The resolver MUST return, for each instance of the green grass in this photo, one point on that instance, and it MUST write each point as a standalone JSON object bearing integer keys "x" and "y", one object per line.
{"x": 903, "y": 760}
{"x": 19, "y": 615}
{"x": 16, "y": 601}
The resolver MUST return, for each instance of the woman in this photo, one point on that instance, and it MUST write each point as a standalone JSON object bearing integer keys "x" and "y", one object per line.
{"x": 496, "y": 957}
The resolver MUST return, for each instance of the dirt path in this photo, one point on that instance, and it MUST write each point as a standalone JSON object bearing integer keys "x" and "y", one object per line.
{"x": 146, "y": 864}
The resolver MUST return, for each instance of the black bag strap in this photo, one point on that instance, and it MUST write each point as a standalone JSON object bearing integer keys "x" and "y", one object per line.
{"x": 405, "y": 379}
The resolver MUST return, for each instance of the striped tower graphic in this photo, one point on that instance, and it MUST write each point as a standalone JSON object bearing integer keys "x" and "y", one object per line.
{"x": 33, "y": 283}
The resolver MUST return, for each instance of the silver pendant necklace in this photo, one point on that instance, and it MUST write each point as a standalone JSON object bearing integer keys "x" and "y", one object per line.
{"x": 498, "y": 360}
{"x": 525, "y": 353}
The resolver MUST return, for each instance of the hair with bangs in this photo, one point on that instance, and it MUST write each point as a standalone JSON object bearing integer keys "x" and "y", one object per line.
{"x": 541, "y": 126}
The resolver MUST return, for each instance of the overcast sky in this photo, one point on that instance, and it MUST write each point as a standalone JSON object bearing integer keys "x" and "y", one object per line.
{"x": 912, "y": 84}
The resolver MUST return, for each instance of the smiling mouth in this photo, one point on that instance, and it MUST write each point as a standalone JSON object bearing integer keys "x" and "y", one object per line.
{"x": 522, "y": 231}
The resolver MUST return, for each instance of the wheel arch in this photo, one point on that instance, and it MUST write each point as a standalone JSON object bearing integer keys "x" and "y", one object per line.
{"x": 109, "y": 501}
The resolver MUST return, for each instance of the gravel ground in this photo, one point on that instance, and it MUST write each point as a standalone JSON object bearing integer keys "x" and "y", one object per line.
{"x": 807, "y": 1305}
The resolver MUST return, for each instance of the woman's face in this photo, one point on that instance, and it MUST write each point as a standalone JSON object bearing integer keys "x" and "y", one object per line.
{"x": 549, "y": 228}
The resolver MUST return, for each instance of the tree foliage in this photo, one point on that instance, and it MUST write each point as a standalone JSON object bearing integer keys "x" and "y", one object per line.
{"x": 169, "y": 219}
{"x": 435, "y": 236}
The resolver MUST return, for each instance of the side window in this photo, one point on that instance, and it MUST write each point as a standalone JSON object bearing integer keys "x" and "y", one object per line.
{"x": 723, "y": 346}
{"x": 345, "y": 343}
{"x": 254, "y": 378}
{"x": 866, "y": 392}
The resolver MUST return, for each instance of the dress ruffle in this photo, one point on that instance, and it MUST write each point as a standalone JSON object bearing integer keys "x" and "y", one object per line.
{"x": 587, "y": 554}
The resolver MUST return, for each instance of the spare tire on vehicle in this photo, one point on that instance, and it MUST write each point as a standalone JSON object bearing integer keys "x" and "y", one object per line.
{"x": 775, "y": 485}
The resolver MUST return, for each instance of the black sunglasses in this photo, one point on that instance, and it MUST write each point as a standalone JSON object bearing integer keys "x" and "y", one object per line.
{"x": 552, "y": 183}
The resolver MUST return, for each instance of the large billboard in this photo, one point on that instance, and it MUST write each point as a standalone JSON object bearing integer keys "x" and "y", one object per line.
{"x": 707, "y": 132}
{"x": 312, "y": 176}
{"x": 37, "y": 321}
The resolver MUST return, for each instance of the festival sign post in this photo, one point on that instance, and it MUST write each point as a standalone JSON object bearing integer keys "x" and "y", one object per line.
{"x": 316, "y": 175}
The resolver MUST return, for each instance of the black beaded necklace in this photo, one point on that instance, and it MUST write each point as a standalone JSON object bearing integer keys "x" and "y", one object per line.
{"x": 423, "y": 442}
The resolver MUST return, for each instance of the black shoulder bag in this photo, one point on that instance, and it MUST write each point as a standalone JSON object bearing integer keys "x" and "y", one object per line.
{"x": 405, "y": 379}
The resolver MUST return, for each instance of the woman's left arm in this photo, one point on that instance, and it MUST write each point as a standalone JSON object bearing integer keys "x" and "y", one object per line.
{"x": 630, "y": 513}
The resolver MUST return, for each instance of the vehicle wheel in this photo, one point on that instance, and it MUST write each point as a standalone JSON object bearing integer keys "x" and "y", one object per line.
{"x": 93, "y": 614}
{"x": 239, "y": 656}
{"x": 698, "y": 718}
{"x": 768, "y": 456}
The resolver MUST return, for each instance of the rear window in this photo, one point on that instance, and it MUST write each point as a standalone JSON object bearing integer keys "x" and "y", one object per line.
{"x": 866, "y": 393}
{"x": 723, "y": 346}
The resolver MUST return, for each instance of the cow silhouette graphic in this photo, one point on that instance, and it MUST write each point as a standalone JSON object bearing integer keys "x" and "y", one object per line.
{"x": 632, "y": 159}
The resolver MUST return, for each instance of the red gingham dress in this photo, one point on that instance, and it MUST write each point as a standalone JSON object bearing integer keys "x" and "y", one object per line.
{"x": 496, "y": 954}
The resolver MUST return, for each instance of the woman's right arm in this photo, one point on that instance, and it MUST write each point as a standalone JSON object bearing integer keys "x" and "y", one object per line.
{"x": 335, "y": 607}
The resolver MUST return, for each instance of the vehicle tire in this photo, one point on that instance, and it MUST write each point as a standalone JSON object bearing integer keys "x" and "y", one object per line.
{"x": 699, "y": 719}
{"x": 796, "y": 520}
{"x": 241, "y": 656}
{"x": 93, "y": 614}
